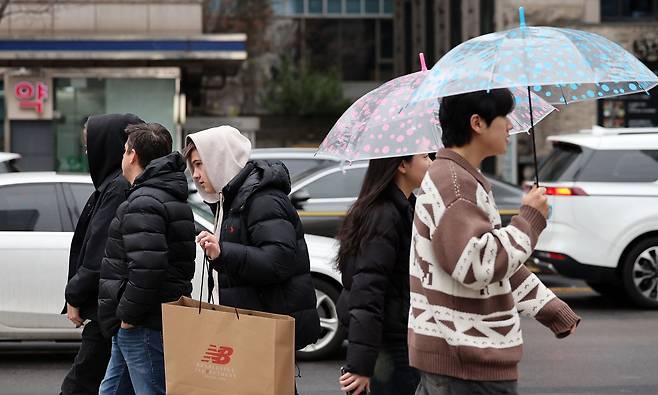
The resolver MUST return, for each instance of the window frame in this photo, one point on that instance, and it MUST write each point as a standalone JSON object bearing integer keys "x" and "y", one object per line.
{"x": 618, "y": 17}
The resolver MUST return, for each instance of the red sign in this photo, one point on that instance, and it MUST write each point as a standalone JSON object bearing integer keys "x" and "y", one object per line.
{"x": 31, "y": 95}
{"x": 218, "y": 355}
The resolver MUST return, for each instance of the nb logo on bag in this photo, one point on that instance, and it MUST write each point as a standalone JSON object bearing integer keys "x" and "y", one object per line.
{"x": 218, "y": 355}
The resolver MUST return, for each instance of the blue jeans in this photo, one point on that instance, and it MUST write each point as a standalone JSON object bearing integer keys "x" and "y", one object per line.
{"x": 136, "y": 365}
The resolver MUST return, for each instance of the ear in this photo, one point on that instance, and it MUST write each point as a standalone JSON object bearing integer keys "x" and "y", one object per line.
{"x": 477, "y": 123}
{"x": 402, "y": 168}
{"x": 133, "y": 156}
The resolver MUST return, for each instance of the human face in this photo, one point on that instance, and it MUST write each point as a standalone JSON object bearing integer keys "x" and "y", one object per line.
{"x": 415, "y": 169}
{"x": 129, "y": 163}
{"x": 495, "y": 136}
{"x": 199, "y": 172}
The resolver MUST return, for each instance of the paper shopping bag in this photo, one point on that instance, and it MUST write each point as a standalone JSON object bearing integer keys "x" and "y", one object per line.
{"x": 223, "y": 350}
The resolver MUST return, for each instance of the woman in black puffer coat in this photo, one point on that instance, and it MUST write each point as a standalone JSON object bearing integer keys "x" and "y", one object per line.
{"x": 374, "y": 261}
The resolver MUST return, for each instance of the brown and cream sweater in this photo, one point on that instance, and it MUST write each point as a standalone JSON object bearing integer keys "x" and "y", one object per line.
{"x": 468, "y": 280}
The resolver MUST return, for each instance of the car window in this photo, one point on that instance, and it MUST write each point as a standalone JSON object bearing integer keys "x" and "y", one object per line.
{"x": 81, "y": 193}
{"x": 621, "y": 166}
{"x": 503, "y": 191}
{"x": 29, "y": 207}
{"x": 338, "y": 184}
{"x": 561, "y": 164}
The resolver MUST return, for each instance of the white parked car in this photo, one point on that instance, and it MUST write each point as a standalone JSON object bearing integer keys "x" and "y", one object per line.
{"x": 603, "y": 228}
{"x": 38, "y": 213}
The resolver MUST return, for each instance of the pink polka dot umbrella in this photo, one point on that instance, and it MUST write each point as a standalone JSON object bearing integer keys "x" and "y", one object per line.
{"x": 380, "y": 124}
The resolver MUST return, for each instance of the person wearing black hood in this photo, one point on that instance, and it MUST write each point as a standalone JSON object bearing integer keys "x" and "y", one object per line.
{"x": 149, "y": 260}
{"x": 104, "y": 137}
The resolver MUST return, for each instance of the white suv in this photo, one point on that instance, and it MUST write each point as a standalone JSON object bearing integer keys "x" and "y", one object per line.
{"x": 603, "y": 228}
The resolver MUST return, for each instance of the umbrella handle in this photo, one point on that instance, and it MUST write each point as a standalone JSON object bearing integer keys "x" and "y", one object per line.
{"x": 423, "y": 66}
{"x": 532, "y": 134}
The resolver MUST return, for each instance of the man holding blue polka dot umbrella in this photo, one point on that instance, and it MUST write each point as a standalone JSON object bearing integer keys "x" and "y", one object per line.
{"x": 562, "y": 66}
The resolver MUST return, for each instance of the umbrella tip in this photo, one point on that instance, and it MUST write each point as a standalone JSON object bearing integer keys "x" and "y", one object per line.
{"x": 423, "y": 66}
{"x": 522, "y": 16}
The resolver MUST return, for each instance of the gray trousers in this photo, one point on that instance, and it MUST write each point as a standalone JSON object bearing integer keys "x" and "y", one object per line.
{"x": 434, "y": 384}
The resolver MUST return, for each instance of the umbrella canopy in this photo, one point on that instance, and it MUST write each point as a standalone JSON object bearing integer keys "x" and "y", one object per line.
{"x": 380, "y": 124}
{"x": 560, "y": 65}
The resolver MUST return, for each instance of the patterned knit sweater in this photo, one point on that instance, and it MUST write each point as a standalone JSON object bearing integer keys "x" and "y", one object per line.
{"x": 468, "y": 281}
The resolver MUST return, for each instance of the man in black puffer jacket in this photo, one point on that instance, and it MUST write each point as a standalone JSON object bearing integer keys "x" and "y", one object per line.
{"x": 149, "y": 260}
{"x": 261, "y": 257}
{"x": 104, "y": 136}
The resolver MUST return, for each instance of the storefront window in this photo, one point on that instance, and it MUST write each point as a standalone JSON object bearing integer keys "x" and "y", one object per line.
{"x": 78, "y": 98}
{"x": 75, "y": 100}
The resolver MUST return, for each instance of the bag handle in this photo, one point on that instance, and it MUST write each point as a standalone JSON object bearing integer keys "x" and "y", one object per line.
{"x": 203, "y": 273}
{"x": 206, "y": 261}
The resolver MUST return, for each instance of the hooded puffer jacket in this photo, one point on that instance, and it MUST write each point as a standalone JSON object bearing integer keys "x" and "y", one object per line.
{"x": 149, "y": 258}
{"x": 264, "y": 261}
{"x": 105, "y": 145}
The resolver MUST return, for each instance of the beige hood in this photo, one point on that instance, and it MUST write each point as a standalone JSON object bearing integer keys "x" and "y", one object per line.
{"x": 224, "y": 152}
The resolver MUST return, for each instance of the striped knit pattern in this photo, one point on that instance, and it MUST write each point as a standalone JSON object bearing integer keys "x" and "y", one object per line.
{"x": 468, "y": 281}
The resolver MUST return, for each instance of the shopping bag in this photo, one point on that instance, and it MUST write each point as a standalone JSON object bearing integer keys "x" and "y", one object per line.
{"x": 213, "y": 349}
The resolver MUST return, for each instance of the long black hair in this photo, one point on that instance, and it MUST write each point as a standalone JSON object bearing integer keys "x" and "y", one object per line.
{"x": 359, "y": 224}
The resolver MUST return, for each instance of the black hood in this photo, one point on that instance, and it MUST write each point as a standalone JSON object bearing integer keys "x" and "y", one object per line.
{"x": 257, "y": 175}
{"x": 106, "y": 137}
{"x": 165, "y": 173}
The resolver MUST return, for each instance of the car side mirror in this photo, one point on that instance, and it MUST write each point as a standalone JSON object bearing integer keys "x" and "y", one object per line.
{"x": 299, "y": 198}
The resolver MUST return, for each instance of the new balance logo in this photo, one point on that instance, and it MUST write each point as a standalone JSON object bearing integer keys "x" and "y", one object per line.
{"x": 218, "y": 355}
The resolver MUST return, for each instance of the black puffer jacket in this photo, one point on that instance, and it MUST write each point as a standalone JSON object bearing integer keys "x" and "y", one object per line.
{"x": 149, "y": 258}
{"x": 374, "y": 303}
{"x": 264, "y": 261}
{"x": 105, "y": 145}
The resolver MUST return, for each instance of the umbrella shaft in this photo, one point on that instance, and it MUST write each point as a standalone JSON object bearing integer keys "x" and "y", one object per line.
{"x": 532, "y": 133}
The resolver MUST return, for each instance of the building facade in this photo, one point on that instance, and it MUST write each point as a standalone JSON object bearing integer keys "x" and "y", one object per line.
{"x": 66, "y": 60}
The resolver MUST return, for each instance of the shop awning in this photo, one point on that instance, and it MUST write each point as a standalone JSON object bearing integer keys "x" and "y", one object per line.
{"x": 215, "y": 47}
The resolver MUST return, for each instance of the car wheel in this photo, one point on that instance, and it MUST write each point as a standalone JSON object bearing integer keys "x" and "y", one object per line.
{"x": 612, "y": 290}
{"x": 332, "y": 333}
{"x": 641, "y": 273}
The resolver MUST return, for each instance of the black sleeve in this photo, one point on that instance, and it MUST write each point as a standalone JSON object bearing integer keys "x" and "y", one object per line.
{"x": 143, "y": 229}
{"x": 270, "y": 257}
{"x": 373, "y": 266}
{"x": 83, "y": 286}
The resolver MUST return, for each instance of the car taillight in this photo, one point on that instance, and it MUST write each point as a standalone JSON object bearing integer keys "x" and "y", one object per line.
{"x": 565, "y": 191}
{"x": 551, "y": 255}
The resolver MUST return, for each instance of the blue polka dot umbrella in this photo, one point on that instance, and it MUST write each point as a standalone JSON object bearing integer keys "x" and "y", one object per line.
{"x": 562, "y": 66}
